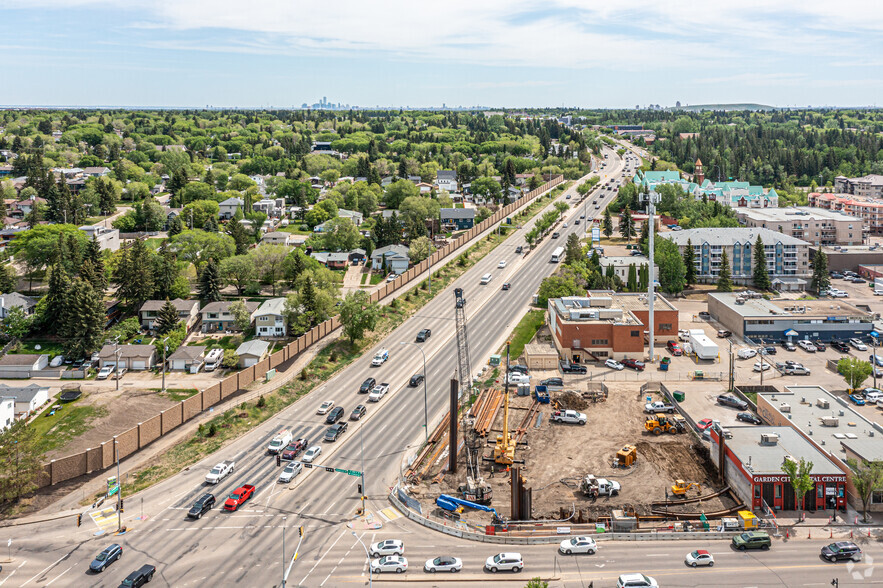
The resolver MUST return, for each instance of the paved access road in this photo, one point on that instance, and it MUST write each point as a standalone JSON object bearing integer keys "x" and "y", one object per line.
{"x": 245, "y": 547}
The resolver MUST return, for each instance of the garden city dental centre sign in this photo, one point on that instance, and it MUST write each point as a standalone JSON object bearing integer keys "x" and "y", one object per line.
{"x": 815, "y": 478}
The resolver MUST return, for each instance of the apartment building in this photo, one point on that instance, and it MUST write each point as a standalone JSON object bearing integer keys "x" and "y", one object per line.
{"x": 867, "y": 209}
{"x": 869, "y": 186}
{"x": 818, "y": 226}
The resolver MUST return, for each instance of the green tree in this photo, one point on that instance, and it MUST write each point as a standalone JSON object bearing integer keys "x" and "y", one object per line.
{"x": 240, "y": 236}
{"x": 20, "y": 460}
{"x": 56, "y": 298}
{"x": 632, "y": 280}
{"x": 197, "y": 246}
{"x": 358, "y": 314}
{"x": 671, "y": 267}
{"x": 573, "y": 249}
{"x": 198, "y": 212}
{"x": 537, "y": 583}
{"x": 626, "y": 224}
{"x": 854, "y": 371}
{"x": 420, "y": 249}
{"x": 210, "y": 282}
{"x": 165, "y": 274}
{"x": 487, "y": 188}
{"x": 17, "y": 323}
{"x": 241, "y": 315}
{"x": 867, "y": 477}
{"x": 82, "y": 321}
{"x": 340, "y": 234}
{"x": 268, "y": 261}
{"x": 397, "y": 191}
{"x": 238, "y": 271}
{"x": 556, "y": 287}
{"x": 820, "y": 278}
{"x": 724, "y": 278}
{"x": 171, "y": 340}
{"x": 134, "y": 275}
{"x": 761, "y": 275}
{"x": 799, "y": 475}
{"x": 8, "y": 279}
{"x": 690, "y": 264}
{"x": 175, "y": 226}
{"x": 167, "y": 318}
{"x": 607, "y": 223}
{"x": 98, "y": 279}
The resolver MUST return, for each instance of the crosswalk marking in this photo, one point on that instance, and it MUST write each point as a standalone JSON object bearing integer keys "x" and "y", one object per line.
{"x": 104, "y": 518}
{"x": 390, "y": 513}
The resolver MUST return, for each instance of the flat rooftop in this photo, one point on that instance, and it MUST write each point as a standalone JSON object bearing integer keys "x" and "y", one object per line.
{"x": 768, "y": 458}
{"x": 800, "y": 404}
{"x": 761, "y": 307}
{"x": 796, "y": 213}
{"x": 606, "y": 306}
{"x": 626, "y": 260}
{"x": 851, "y": 250}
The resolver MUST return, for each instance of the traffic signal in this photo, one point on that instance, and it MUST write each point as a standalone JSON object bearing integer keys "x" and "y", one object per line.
{"x": 359, "y": 486}
{"x": 121, "y": 505}
{"x": 300, "y": 530}
{"x": 278, "y": 460}
{"x": 79, "y": 519}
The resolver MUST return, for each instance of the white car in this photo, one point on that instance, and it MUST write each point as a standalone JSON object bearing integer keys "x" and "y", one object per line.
{"x": 504, "y": 562}
{"x": 565, "y": 224}
{"x": 807, "y": 346}
{"x": 502, "y": 264}
{"x": 118, "y": 374}
{"x": 613, "y": 364}
{"x": 857, "y": 343}
{"x": 378, "y": 392}
{"x": 683, "y": 335}
{"x": 311, "y": 454}
{"x": 746, "y": 353}
{"x": 391, "y": 277}
{"x": 380, "y": 358}
{"x": 518, "y": 378}
{"x": 873, "y": 395}
{"x": 761, "y": 366}
{"x": 290, "y": 472}
{"x": 325, "y": 407}
{"x": 700, "y": 557}
{"x": 636, "y": 581}
{"x": 388, "y": 547}
{"x": 838, "y": 294}
{"x": 578, "y": 545}
{"x": 443, "y": 564}
{"x": 104, "y": 372}
{"x": 390, "y": 563}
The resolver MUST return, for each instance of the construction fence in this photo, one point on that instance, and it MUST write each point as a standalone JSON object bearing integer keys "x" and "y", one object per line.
{"x": 126, "y": 443}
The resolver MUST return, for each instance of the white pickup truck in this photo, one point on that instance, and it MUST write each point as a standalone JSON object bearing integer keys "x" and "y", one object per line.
{"x": 378, "y": 392}
{"x": 219, "y": 472}
{"x": 658, "y": 406}
{"x": 569, "y": 416}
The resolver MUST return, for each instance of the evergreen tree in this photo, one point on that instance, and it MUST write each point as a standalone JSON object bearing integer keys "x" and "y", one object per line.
{"x": 210, "y": 282}
{"x": 165, "y": 272}
{"x": 240, "y": 236}
{"x": 689, "y": 263}
{"x": 82, "y": 321}
{"x": 643, "y": 277}
{"x": 724, "y": 277}
{"x": 626, "y": 224}
{"x": 644, "y": 240}
{"x": 175, "y": 226}
{"x": 8, "y": 278}
{"x": 167, "y": 318}
{"x": 107, "y": 198}
{"x": 632, "y": 281}
{"x": 93, "y": 256}
{"x": 134, "y": 276}
{"x": 607, "y": 224}
{"x": 573, "y": 249}
{"x": 761, "y": 275}
{"x": 820, "y": 278}
{"x": 177, "y": 182}
{"x": 211, "y": 225}
{"x": 56, "y": 298}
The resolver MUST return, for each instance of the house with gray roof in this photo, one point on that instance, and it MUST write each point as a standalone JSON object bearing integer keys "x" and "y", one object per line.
{"x": 395, "y": 257}
{"x": 188, "y": 312}
{"x": 461, "y": 218}
{"x": 227, "y": 208}
{"x": 186, "y": 357}
{"x": 217, "y": 318}
{"x": 269, "y": 319}
{"x": 252, "y": 352}
{"x": 446, "y": 179}
{"x": 331, "y": 259}
{"x": 132, "y": 357}
{"x": 13, "y": 299}
{"x": 27, "y": 398}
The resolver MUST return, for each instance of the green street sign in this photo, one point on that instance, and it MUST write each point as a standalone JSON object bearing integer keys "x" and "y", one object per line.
{"x": 349, "y": 472}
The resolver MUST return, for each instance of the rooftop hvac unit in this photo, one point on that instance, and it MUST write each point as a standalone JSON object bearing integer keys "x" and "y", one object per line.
{"x": 870, "y": 433}
{"x": 822, "y": 441}
{"x": 841, "y": 413}
{"x": 785, "y": 407}
{"x": 603, "y": 301}
{"x": 830, "y": 421}
{"x": 769, "y": 438}
{"x": 822, "y": 403}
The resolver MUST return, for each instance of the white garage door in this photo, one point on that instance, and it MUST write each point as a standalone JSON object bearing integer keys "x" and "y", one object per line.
{"x": 139, "y": 365}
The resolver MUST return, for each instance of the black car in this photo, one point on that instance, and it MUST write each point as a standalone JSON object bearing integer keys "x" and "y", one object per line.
{"x": 789, "y": 346}
{"x": 367, "y": 386}
{"x": 506, "y": 285}
{"x": 139, "y": 577}
{"x": 727, "y": 400}
{"x": 704, "y": 315}
{"x": 842, "y": 550}
{"x": 415, "y": 380}
{"x": 335, "y": 415}
{"x": 335, "y": 431}
{"x": 837, "y": 275}
{"x": 519, "y": 249}
{"x": 571, "y": 368}
{"x": 519, "y": 368}
{"x": 747, "y": 417}
{"x": 358, "y": 412}
{"x": 423, "y": 335}
{"x": 768, "y": 350}
{"x": 552, "y": 382}
{"x": 819, "y": 345}
{"x": 202, "y": 505}
{"x": 840, "y": 346}
{"x": 633, "y": 364}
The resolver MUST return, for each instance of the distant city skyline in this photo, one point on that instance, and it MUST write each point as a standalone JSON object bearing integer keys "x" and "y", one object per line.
{"x": 498, "y": 53}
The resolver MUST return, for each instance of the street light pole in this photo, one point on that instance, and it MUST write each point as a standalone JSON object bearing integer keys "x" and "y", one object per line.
{"x": 116, "y": 449}
{"x": 116, "y": 366}
{"x": 368, "y": 557}
{"x": 425, "y": 395}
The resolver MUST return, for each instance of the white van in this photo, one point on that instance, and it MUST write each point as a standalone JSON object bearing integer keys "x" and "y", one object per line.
{"x": 279, "y": 442}
{"x": 485, "y": 279}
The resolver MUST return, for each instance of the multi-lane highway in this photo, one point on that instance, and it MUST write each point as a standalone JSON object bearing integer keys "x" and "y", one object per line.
{"x": 245, "y": 547}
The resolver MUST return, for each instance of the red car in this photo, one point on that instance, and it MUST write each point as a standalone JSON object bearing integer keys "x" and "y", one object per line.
{"x": 674, "y": 348}
{"x": 239, "y": 497}
{"x": 633, "y": 364}
{"x": 294, "y": 448}
{"x": 703, "y": 424}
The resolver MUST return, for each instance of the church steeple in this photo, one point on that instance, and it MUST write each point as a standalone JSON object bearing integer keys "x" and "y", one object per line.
{"x": 698, "y": 173}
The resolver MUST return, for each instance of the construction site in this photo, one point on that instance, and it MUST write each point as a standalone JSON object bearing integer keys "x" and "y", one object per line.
{"x": 525, "y": 455}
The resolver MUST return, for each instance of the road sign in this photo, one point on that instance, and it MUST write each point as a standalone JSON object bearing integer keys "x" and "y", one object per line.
{"x": 349, "y": 472}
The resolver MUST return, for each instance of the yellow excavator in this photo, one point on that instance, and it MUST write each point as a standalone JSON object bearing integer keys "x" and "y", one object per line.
{"x": 680, "y": 487}
{"x": 504, "y": 450}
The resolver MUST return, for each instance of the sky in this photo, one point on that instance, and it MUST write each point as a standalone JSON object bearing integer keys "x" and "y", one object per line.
{"x": 419, "y": 53}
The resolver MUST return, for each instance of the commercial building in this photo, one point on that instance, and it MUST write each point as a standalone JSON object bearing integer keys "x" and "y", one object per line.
{"x": 787, "y": 258}
{"x": 780, "y": 320}
{"x": 870, "y": 211}
{"x": 753, "y": 459}
{"x": 833, "y": 429}
{"x": 732, "y": 194}
{"x": 869, "y": 186}
{"x": 842, "y": 258}
{"x": 606, "y": 324}
{"x": 818, "y": 226}
{"x": 621, "y": 265}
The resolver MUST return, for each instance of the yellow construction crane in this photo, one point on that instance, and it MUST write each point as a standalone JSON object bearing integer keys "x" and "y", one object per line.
{"x": 504, "y": 451}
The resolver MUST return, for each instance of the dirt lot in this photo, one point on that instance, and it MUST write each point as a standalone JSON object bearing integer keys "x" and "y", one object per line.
{"x": 558, "y": 456}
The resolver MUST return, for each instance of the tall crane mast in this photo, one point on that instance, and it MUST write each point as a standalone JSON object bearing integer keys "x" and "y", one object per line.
{"x": 463, "y": 367}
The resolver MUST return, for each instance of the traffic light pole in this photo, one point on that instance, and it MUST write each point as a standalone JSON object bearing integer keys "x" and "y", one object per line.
{"x": 293, "y": 557}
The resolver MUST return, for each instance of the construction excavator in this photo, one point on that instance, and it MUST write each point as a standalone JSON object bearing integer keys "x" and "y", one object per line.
{"x": 680, "y": 487}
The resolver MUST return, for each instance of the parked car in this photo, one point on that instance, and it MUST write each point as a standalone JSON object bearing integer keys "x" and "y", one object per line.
{"x": 789, "y": 346}
{"x": 578, "y": 545}
{"x": 517, "y": 367}
{"x": 335, "y": 415}
{"x": 139, "y": 577}
{"x": 325, "y": 407}
{"x": 613, "y": 364}
{"x": 723, "y": 334}
{"x": 837, "y": 275}
{"x": 728, "y": 400}
{"x": 335, "y": 431}
{"x": 857, "y": 399}
{"x": 768, "y": 350}
{"x": 872, "y": 395}
{"x": 747, "y": 417}
{"x": 290, "y": 472}
{"x": 674, "y": 348}
{"x": 840, "y": 346}
{"x": 415, "y": 380}
{"x": 202, "y": 505}
{"x": 796, "y": 370}
{"x": 633, "y": 364}
{"x": 571, "y": 368}
{"x": 504, "y": 562}
{"x": 807, "y": 346}
{"x": 761, "y": 366}
{"x": 391, "y": 277}
{"x": 358, "y": 412}
{"x": 752, "y": 540}
{"x": 705, "y": 423}
{"x": 568, "y": 416}
{"x": 700, "y": 557}
{"x": 104, "y": 372}
{"x": 842, "y": 550}
{"x": 820, "y": 346}
{"x": 389, "y": 563}
{"x": 367, "y": 385}
{"x": 552, "y": 382}
{"x": 746, "y": 353}
{"x": 387, "y": 547}
{"x": 423, "y": 335}
{"x": 108, "y": 555}
{"x": 875, "y": 359}
{"x": 857, "y": 344}
{"x": 443, "y": 564}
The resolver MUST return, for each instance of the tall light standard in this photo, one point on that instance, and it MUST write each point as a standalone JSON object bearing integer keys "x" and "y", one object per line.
{"x": 368, "y": 557}
{"x": 119, "y": 486}
{"x": 283, "y": 550}
{"x": 425, "y": 395}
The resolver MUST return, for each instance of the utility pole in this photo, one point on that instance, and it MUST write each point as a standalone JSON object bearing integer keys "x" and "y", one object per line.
{"x": 116, "y": 448}
{"x": 165, "y": 350}
{"x": 116, "y": 366}
{"x": 732, "y": 378}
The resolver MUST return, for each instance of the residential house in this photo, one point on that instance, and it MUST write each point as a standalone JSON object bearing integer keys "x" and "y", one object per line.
{"x": 252, "y": 352}
{"x": 276, "y": 238}
{"x": 353, "y": 215}
{"x": 7, "y": 412}
{"x": 131, "y": 357}
{"x": 270, "y": 207}
{"x": 22, "y": 365}
{"x": 331, "y": 260}
{"x": 5, "y": 170}
{"x": 24, "y": 207}
{"x": 357, "y": 256}
{"x": 446, "y": 179}
{"x": 27, "y": 398}
{"x": 621, "y": 265}
{"x": 96, "y": 172}
{"x": 424, "y": 187}
{"x": 394, "y": 257}
{"x": 13, "y": 299}
{"x": 227, "y": 208}
{"x": 188, "y": 312}
{"x": 187, "y": 357}
{"x": 458, "y": 218}
{"x": 107, "y": 238}
{"x": 112, "y": 312}
{"x": 269, "y": 320}
{"x": 217, "y": 318}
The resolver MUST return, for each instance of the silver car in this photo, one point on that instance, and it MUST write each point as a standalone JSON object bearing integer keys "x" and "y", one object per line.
{"x": 290, "y": 472}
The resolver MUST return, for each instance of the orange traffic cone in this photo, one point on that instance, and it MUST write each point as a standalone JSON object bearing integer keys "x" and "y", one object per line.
{"x": 787, "y": 534}
{"x": 831, "y": 534}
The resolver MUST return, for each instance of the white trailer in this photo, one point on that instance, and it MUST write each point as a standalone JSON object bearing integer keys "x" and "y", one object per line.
{"x": 878, "y": 286}
{"x": 702, "y": 346}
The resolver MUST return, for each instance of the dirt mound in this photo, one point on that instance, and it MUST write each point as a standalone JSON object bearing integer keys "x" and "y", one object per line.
{"x": 674, "y": 459}
{"x": 571, "y": 400}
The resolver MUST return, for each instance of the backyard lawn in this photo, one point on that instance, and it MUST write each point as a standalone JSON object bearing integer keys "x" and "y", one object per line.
{"x": 53, "y": 348}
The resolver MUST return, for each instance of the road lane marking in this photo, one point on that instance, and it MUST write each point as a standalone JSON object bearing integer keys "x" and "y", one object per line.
{"x": 59, "y": 575}
{"x": 12, "y": 573}
{"x": 339, "y": 537}
{"x": 390, "y": 513}
{"x": 47, "y": 568}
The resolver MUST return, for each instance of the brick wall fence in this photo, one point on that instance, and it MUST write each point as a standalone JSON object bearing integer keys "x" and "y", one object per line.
{"x": 151, "y": 429}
